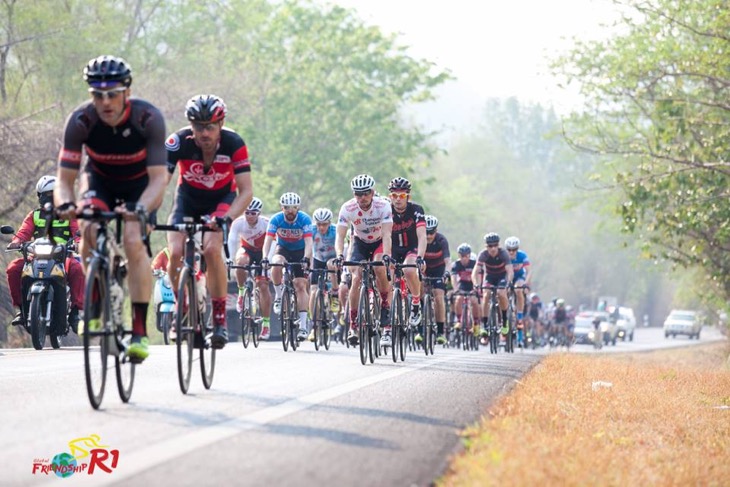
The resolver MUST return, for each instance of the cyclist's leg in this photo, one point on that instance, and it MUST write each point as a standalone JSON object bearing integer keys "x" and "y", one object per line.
{"x": 242, "y": 259}
{"x": 217, "y": 285}
{"x": 414, "y": 287}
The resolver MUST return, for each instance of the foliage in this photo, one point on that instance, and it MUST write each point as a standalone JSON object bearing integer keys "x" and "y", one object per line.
{"x": 657, "y": 108}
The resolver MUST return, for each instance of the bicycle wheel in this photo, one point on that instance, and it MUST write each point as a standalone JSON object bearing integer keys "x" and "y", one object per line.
{"x": 185, "y": 324}
{"x": 373, "y": 328}
{"x": 246, "y": 318}
{"x": 493, "y": 330}
{"x": 317, "y": 317}
{"x": 165, "y": 321}
{"x": 257, "y": 319}
{"x": 284, "y": 318}
{"x": 329, "y": 320}
{"x": 426, "y": 321}
{"x": 395, "y": 333}
{"x": 293, "y": 320}
{"x": 207, "y": 352}
{"x": 362, "y": 325}
{"x": 125, "y": 369}
{"x": 96, "y": 311}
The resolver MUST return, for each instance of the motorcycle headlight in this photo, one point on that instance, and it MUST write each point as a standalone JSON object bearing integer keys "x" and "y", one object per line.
{"x": 43, "y": 250}
{"x": 604, "y": 326}
{"x": 58, "y": 252}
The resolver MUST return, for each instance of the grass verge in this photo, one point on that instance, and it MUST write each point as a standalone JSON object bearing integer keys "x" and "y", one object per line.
{"x": 656, "y": 418}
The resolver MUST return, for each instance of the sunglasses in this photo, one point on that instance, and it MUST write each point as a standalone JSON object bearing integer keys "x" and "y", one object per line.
{"x": 430, "y": 232}
{"x": 360, "y": 194}
{"x": 202, "y": 127}
{"x": 251, "y": 212}
{"x": 492, "y": 246}
{"x": 511, "y": 251}
{"x": 110, "y": 94}
{"x": 398, "y": 196}
{"x": 290, "y": 207}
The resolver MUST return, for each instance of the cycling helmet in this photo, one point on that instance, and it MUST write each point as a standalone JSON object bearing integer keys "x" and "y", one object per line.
{"x": 533, "y": 296}
{"x": 255, "y": 205}
{"x": 322, "y": 215}
{"x": 290, "y": 199}
{"x": 362, "y": 182}
{"x": 512, "y": 243}
{"x": 105, "y": 70}
{"x": 399, "y": 184}
{"x": 431, "y": 223}
{"x": 205, "y": 108}
{"x": 491, "y": 238}
{"x": 560, "y": 302}
{"x": 464, "y": 249}
{"x": 45, "y": 185}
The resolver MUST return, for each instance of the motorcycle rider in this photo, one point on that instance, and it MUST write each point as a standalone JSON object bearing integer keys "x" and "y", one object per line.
{"x": 33, "y": 227}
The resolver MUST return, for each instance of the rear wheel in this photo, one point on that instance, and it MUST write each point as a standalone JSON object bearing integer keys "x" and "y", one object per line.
{"x": 96, "y": 310}
{"x": 329, "y": 321}
{"x": 318, "y": 318}
{"x": 493, "y": 330}
{"x": 246, "y": 318}
{"x": 257, "y": 319}
{"x": 293, "y": 316}
{"x": 125, "y": 369}
{"x": 166, "y": 323}
{"x": 396, "y": 323}
{"x": 186, "y": 321}
{"x": 207, "y": 353}
{"x": 426, "y": 319}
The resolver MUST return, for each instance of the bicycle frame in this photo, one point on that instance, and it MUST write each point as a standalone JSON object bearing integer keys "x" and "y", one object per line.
{"x": 368, "y": 313}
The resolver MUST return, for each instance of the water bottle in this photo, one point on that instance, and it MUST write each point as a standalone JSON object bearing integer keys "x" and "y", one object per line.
{"x": 117, "y": 298}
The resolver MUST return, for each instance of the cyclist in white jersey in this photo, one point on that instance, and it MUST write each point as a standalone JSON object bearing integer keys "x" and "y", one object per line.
{"x": 371, "y": 219}
{"x": 323, "y": 253}
{"x": 245, "y": 242}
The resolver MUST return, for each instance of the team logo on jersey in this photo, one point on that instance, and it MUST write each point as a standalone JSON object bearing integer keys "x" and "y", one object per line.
{"x": 197, "y": 175}
{"x": 126, "y": 132}
{"x": 222, "y": 158}
{"x": 172, "y": 143}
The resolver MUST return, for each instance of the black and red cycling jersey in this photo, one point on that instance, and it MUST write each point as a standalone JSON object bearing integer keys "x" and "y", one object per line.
{"x": 197, "y": 183}
{"x": 118, "y": 154}
{"x": 495, "y": 266}
{"x": 437, "y": 252}
{"x": 463, "y": 272}
{"x": 404, "y": 227}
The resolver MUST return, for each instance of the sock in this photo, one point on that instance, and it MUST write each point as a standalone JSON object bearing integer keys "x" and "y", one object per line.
{"x": 416, "y": 300}
{"x": 279, "y": 289}
{"x": 504, "y": 318}
{"x": 219, "y": 311}
{"x": 440, "y": 327}
{"x": 266, "y": 321}
{"x": 240, "y": 290}
{"x": 139, "y": 319}
{"x": 353, "y": 317}
{"x": 303, "y": 319}
{"x": 384, "y": 300}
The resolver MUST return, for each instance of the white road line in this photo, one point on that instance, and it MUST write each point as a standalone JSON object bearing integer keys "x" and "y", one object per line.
{"x": 131, "y": 464}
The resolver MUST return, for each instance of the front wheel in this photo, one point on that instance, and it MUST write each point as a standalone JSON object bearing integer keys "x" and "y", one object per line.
{"x": 165, "y": 321}
{"x": 207, "y": 354}
{"x": 38, "y": 305}
{"x": 96, "y": 317}
{"x": 185, "y": 324}
{"x": 362, "y": 326}
{"x": 318, "y": 317}
{"x": 246, "y": 318}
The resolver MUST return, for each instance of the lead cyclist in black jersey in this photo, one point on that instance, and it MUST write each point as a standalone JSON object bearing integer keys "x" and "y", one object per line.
{"x": 124, "y": 140}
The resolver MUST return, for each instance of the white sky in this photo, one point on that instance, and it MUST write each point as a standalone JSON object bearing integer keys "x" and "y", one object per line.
{"x": 496, "y": 48}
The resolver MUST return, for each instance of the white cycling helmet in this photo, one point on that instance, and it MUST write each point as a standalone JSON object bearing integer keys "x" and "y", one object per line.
{"x": 362, "y": 182}
{"x": 512, "y": 243}
{"x": 290, "y": 199}
{"x": 322, "y": 215}
{"x": 431, "y": 223}
{"x": 255, "y": 205}
{"x": 45, "y": 184}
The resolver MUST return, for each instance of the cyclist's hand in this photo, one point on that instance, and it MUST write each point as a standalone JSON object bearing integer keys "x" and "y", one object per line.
{"x": 305, "y": 263}
{"x": 387, "y": 260}
{"x": 264, "y": 263}
{"x": 420, "y": 262}
{"x": 339, "y": 260}
{"x": 447, "y": 276}
{"x": 66, "y": 211}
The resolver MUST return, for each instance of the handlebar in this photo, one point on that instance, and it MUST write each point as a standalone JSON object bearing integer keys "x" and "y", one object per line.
{"x": 202, "y": 225}
{"x": 97, "y": 215}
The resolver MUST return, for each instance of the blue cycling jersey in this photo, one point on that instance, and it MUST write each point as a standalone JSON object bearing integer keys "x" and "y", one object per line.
{"x": 288, "y": 235}
{"x": 519, "y": 263}
{"x": 324, "y": 245}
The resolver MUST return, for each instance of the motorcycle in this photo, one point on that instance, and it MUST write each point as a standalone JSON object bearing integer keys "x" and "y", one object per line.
{"x": 164, "y": 302}
{"x": 44, "y": 288}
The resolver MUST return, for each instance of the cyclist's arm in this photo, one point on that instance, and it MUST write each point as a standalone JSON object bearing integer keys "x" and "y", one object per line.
{"x": 267, "y": 245}
{"x": 340, "y": 240}
{"x": 244, "y": 196}
{"x": 153, "y": 194}
{"x": 63, "y": 191}
{"x": 308, "y": 248}
{"x": 387, "y": 238}
{"x": 478, "y": 268}
{"x": 233, "y": 238}
{"x": 510, "y": 273}
{"x": 422, "y": 242}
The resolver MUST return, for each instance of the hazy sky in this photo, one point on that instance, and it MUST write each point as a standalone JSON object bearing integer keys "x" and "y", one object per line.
{"x": 497, "y": 48}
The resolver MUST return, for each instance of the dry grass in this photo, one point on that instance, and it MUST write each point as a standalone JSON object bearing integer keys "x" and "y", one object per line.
{"x": 658, "y": 424}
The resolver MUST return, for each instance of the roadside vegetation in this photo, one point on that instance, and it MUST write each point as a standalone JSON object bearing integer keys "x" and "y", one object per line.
{"x": 656, "y": 418}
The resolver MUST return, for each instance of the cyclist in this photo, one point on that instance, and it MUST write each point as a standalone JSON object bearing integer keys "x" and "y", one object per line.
{"x": 535, "y": 313}
{"x": 214, "y": 181}
{"x": 372, "y": 222}
{"x": 245, "y": 244}
{"x": 62, "y": 231}
{"x": 292, "y": 230}
{"x": 522, "y": 269}
{"x": 494, "y": 267}
{"x": 461, "y": 282}
{"x": 323, "y": 242}
{"x": 560, "y": 318}
{"x": 124, "y": 140}
{"x": 409, "y": 245}
{"x": 437, "y": 259}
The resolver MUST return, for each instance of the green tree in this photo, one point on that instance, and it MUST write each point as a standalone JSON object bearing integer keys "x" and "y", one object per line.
{"x": 657, "y": 109}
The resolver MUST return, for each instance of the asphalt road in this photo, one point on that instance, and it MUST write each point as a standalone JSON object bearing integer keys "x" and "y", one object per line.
{"x": 271, "y": 418}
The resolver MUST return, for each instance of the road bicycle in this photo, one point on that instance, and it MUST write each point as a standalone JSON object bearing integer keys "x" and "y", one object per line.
{"x": 494, "y": 322}
{"x": 250, "y": 315}
{"x": 289, "y": 313}
{"x": 464, "y": 336}
{"x": 428, "y": 314}
{"x": 368, "y": 311}
{"x": 193, "y": 329}
{"x": 107, "y": 314}
{"x": 401, "y": 333}
{"x": 323, "y": 319}
{"x": 515, "y": 334}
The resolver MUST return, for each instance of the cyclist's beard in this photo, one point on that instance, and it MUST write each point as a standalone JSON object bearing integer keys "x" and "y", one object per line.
{"x": 365, "y": 208}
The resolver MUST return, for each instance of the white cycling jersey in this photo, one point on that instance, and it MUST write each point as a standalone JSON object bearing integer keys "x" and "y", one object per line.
{"x": 241, "y": 234}
{"x": 366, "y": 225}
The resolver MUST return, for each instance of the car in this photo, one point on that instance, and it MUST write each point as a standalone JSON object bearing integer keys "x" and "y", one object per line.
{"x": 584, "y": 331}
{"x": 626, "y": 323}
{"x": 683, "y": 322}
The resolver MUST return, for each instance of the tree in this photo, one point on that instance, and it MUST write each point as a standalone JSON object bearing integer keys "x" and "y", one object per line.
{"x": 657, "y": 109}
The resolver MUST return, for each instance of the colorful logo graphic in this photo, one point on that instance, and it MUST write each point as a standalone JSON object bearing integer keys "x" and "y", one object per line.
{"x": 64, "y": 464}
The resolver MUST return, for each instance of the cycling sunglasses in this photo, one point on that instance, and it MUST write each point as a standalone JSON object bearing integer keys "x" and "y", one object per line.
{"x": 110, "y": 94}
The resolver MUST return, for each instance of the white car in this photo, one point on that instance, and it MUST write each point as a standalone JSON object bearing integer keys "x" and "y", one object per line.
{"x": 682, "y": 322}
{"x": 626, "y": 323}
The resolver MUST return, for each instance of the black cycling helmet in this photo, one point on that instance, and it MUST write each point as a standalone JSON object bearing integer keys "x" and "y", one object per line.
{"x": 104, "y": 70}
{"x": 399, "y": 184}
{"x": 464, "y": 249}
{"x": 491, "y": 238}
{"x": 205, "y": 108}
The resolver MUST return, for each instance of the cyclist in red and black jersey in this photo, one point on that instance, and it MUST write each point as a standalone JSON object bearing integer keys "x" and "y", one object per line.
{"x": 494, "y": 265}
{"x": 409, "y": 241}
{"x": 213, "y": 163}
{"x": 437, "y": 259}
{"x": 461, "y": 282}
{"x": 123, "y": 139}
